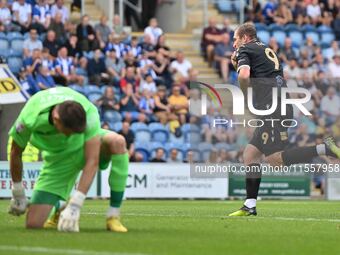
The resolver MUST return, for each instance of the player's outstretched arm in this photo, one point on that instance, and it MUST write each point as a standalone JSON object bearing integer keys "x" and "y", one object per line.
{"x": 18, "y": 202}
{"x": 69, "y": 217}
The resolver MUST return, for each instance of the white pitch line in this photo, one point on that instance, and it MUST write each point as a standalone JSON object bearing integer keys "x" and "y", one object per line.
{"x": 46, "y": 250}
{"x": 223, "y": 217}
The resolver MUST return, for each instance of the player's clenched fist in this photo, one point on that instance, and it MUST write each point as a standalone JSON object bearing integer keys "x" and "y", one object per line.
{"x": 69, "y": 217}
{"x": 234, "y": 60}
{"x": 18, "y": 204}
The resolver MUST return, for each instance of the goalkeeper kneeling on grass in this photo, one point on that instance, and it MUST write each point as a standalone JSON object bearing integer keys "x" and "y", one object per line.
{"x": 65, "y": 126}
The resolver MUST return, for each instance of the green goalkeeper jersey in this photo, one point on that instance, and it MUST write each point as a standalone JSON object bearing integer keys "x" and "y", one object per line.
{"x": 33, "y": 123}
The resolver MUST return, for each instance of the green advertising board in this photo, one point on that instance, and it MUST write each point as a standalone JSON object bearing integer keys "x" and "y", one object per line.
{"x": 278, "y": 185}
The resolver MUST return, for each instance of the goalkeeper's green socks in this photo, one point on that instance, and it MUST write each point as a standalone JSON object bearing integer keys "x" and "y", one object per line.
{"x": 117, "y": 182}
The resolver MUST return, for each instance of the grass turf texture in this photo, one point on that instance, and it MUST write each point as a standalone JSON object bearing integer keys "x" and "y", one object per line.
{"x": 186, "y": 227}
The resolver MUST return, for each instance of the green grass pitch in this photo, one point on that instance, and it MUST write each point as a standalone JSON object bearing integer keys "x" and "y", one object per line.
{"x": 185, "y": 227}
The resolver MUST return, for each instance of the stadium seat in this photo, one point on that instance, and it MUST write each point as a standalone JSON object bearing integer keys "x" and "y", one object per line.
{"x": 14, "y": 64}
{"x": 224, "y": 6}
{"x": 141, "y": 131}
{"x": 159, "y": 132}
{"x": 14, "y": 35}
{"x": 111, "y": 116}
{"x": 264, "y": 36}
{"x": 324, "y": 29}
{"x": 328, "y": 53}
{"x": 327, "y": 38}
{"x": 143, "y": 149}
{"x": 191, "y": 133}
{"x": 157, "y": 145}
{"x": 297, "y": 38}
{"x": 280, "y": 37}
{"x": 91, "y": 88}
{"x": 17, "y": 45}
{"x": 314, "y": 35}
{"x": 261, "y": 26}
{"x": 3, "y": 36}
{"x": 292, "y": 27}
{"x": 205, "y": 149}
{"x": 275, "y": 27}
{"x": 94, "y": 96}
{"x": 14, "y": 53}
{"x": 309, "y": 28}
{"x": 175, "y": 139}
{"x": 4, "y": 53}
{"x": 224, "y": 146}
{"x": 117, "y": 126}
{"x": 4, "y": 44}
{"x": 77, "y": 88}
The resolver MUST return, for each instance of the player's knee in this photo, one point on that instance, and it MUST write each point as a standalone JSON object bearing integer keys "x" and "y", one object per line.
{"x": 274, "y": 159}
{"x": 118, "y": 144}
{"x": 32, "y": 222}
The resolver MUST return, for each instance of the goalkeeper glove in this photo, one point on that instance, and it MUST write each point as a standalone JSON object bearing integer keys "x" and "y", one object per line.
{"x": 18, "y": 204}
{"x": 69, "y": 217}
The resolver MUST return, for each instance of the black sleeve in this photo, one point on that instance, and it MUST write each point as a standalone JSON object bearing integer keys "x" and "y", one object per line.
{"x": 243, "y": 58}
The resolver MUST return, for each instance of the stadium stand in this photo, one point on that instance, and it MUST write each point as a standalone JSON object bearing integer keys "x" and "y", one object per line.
{"x": 138, "y": 65}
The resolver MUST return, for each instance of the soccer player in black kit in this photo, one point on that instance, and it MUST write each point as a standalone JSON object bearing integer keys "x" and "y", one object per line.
{"x": 259, "y": 67}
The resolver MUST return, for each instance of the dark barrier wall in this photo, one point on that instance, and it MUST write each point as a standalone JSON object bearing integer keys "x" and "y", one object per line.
{"x": 8, "y": 114}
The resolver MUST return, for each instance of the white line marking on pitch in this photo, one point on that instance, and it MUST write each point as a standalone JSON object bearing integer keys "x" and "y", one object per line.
{"x": 47, "y": 250}
{"x": 224, "y": 217}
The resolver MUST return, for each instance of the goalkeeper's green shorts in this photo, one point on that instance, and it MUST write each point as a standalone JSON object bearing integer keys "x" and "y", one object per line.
{"x": 59, "y": 174}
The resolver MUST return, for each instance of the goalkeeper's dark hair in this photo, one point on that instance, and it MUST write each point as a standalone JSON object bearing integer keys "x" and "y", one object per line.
{"x": 72, "y": 115}
{"x": 247, "y": 29}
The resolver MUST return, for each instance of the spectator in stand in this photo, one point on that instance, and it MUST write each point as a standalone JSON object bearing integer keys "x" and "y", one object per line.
{"x": 131, "y": 61}
{"x": 268, "y": 11}
{"x": 148, "y": 47}
{"x": 146, "y": 64}
{"x": 180, "y": 68}
{"x": 292, "y": 70}
{"x": 162, "y": 109}
{"x": 179, "y": 104}
{"x": 6, "y": 18}
{"x": 254, "y": 12}
{"x": 334, "y": 67}
{"x": 147, "y": 103}
{"x": 330, "y": 106}
{"x": 210, "y": 37}
{"x": 22, "y": 12}
{"x": 102, "y": 32}
{"x": 336, "y": 27}
{"x": 108, "y": 101}
{"x": 162, "y": 48}
{"x": 117, "y": 27}
{"x": 314, "y": 11}
{"x": 58, "y": 27}
{"x": 32, "y": 64}
{"x": 115, "y": 67}
{"x": 41, "y": 16}
{"x": 273, "y": 44}
{"x": 65, "y": 69}
{"x": 287, "y": 52}
{"x": 161, "y": 69}
{"x": 153, "y": 31}
{"x": 73, "y": 48}
{"x": 129, "y": 136}
{"x": 44, "y": 79}
{"x": 62, "y": 9}
{"x": 116, "y": 44}
{"x": 159, "y": 158}
{"x": 223, "y": 52}
{"x": 173, "y": 156}
{"x": 32, "y": 43}
{"x": 226, "y": 29}
{"x": 320, "y": 63}
{"x": 148, "y": 84}
{"x": 129, "y": 103}
{"x": 130, "y": 78}
{"x": 51, "y": 43}
{"x": 96, "y": 69}
{"x": 283, "y": 15}
{"x": 86, "y": 35}
{"x": 135, "y": 49}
